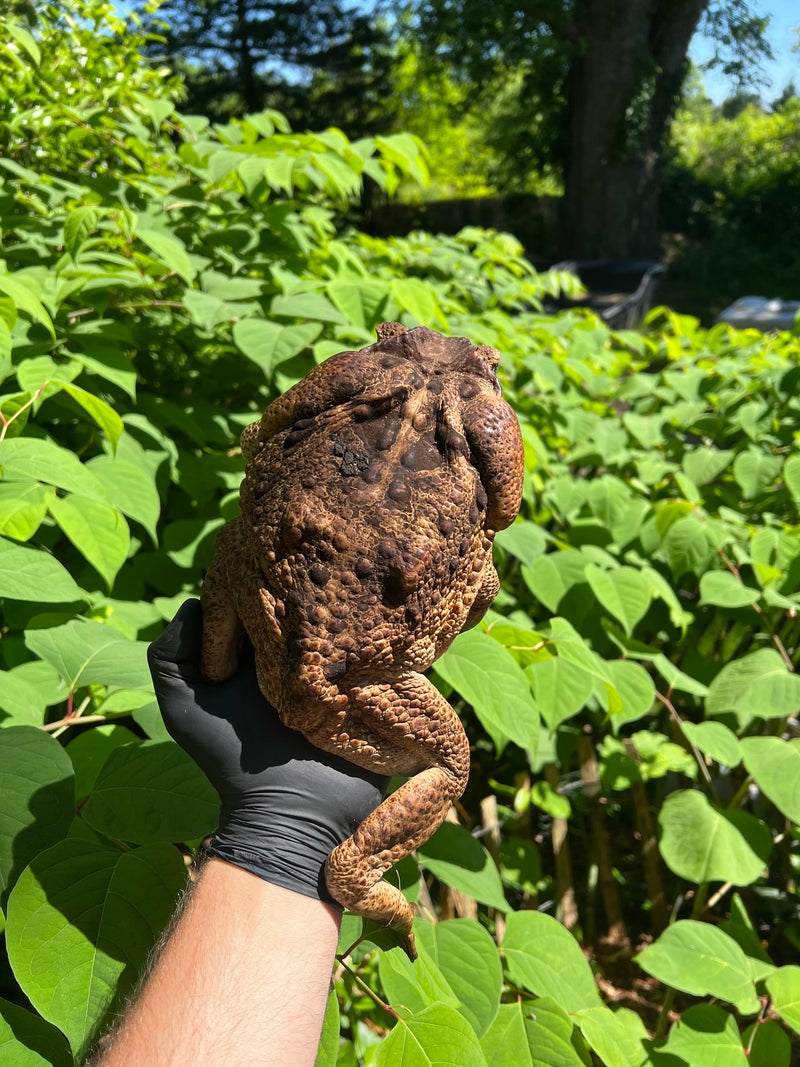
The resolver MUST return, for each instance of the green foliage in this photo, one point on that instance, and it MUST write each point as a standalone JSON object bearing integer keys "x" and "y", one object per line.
{"x": 731, "y": 192}
{"x": 162, "y": 279}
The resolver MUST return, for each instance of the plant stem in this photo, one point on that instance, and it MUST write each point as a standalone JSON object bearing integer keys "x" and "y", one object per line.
{"x": 357, "y": 978}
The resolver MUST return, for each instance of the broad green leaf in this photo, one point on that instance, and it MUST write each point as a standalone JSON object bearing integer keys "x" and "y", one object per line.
{"x": 687, "y": 546}
{"x": 715, "y": 740}
{"x": 31, "y": 459}
{"x": 130, "y": 489}
{"x": 755, "y": 471}
{"x": 23, "y": 505}
{"x": 25, "y": 292}
{"x": 89, "y": 653}
{"x": 33, "y": 574}
{"x": 20, "y": 700}
{"x": 417, "y": 299}
{"x": 552, "y": 576}
{"x": 414, "y": 986}
{"x": 624, "y": 593}
{"x": 775, "y": 765}
{"x": 634, "y": 694}
{"x": 150, "y": 792}
{"x": 26, "y": 1040}
{"x": 561, "y": 687}
{"x": 328, "y": 1051}
{"x": 524, "y": 540}
{"x": 768, "y": 1045}
{"x": 267, "y": 344}
{"x": 697, "y": 958}
{"x": 703, "y": 844}
{"x": 459, "y": 860}
{"x": 488, "y": 677}
{"x": 36, "y": 798}
{"x": 704, "y": 464}
{"x": 758, "y": 685}
{"x": 169, "y": 251}
{"x": 678, "y": 679}
{"x": 24, "y": 39}
{"x": 783, "y": 986}
{"x": 505, "y": 1042}
{"x": 791, "y": 475}
{"x": 78, "y": 225}
{"x": 90, "y": 750}
{"x": 725, "y": 589}
{"x": 610, "y": 1038}
{"x": 553, "y": 803}
{"x": 102, "y": 413}
{"x": 551, "y": 1035}
{"x": 543, "y": 957}
{"x": 81, "y": 921}
{"x": 706, "y": 1036}
{"x": 436, "y": 1037}
{"x": 359, "y": 300}
{"x": 467, "y": 958}
{"x": 306, "y": 306}
{"x": 98, "y": 531}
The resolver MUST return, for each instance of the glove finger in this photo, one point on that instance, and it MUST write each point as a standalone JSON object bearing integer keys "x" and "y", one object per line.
{"x": 176, "y": 653}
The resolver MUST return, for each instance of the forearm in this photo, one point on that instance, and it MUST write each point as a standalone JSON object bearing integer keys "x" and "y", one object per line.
{"x": 243, "y": 979}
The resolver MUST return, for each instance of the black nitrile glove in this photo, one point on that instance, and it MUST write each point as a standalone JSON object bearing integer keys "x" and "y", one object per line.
{"x": 285, "y": 803}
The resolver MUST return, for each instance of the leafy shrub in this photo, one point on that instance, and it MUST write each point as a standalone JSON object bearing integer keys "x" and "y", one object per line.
{"x": 157, "y": 290}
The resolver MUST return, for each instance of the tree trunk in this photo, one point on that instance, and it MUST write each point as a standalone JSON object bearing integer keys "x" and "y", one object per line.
{"x": 624, "y": 84}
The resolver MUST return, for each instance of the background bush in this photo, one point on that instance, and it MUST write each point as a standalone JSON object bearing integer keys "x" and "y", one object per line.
{"x": 629, "y": 700}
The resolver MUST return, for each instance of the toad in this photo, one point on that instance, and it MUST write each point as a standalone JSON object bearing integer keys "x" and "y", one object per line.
{"x": 373, "y": 491}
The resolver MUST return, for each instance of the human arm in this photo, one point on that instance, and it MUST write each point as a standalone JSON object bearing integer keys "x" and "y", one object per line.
{"x": 251, "y": 953}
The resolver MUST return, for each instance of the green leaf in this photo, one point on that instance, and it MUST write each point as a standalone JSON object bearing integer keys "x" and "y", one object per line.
{"x": 328, "y": 1051}
{"x": 24, "y": 291}
{"x": 22, "y": 702}
{"x": 505, "y": 1042}
{"x": 90, "y": 750}
{"x": 561, "y": 687}
{"x": 99, "y": 532}
{"x": 635, "y": 691}
{"x": 90, "y": 653}
{"x": 23, "y": 505}
{"x": 102, "y": 413}
{"x": 554, "y": 804}
{"x": 610, "y": 1038}
{"x": 706, "y": 1036}
{"x": 359, "y": 301}
{"x": 704, "y": 464}
{"x": 758, "y": 685}
{"x": 267, "y": 344}
{"x": 169, "y": 251}
{"x": 783, "y": 986}
{"x": 79, "y": 223}
{"x": 32, "y": 574}
{"x": 715, "y": 740}
{"x": 24, "y": 39}
{"x": 725, "y": 589}
{"x": 435, "y": 1037}
{"x": 414, "y": 986}
{"x": 703, "y": 844}
{"x": 791, "y": 475}
{"x": 81, "y": 921}
{"x": 36, "y": 798}
{"x": 459, "y": 860}
{"x": 551, "y": 1035}
{"x": 624, "y": 593}
{"x": 544, "y": 958}
{"x": 26, "y": 1040}
{"x": 31, "y": 459}
{"x": 467, "y": 958}
{"x": 698, "y": 958}
{"x": 130, "y": 489}
{"x": 488, "y": 677}
{"x": 775, "y": 765}
{"x": 416, "y": 298}
{"x": 755, "y": 472}
{"x": 768, "y": 1045}
{"x": 150, "y": 792}
{"x": 306, "y": 306}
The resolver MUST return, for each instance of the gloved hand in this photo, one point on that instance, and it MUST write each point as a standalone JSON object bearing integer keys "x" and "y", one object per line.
{"x": 285, "y": 803}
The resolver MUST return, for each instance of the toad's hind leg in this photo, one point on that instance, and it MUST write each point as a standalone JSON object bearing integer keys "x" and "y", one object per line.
{"x": 411, "y": 728}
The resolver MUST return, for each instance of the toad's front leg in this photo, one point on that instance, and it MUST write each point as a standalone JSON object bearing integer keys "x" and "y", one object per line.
{"x": 399, "y": 725}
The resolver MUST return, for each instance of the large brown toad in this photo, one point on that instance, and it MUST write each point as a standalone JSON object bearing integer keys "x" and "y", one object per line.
{"x": 373, "y": 491}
